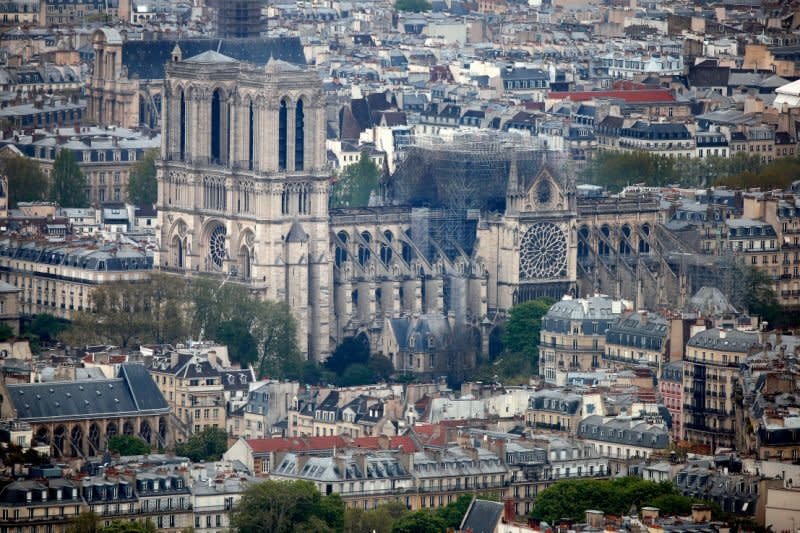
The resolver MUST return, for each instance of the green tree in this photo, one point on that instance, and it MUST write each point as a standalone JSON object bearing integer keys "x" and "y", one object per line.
{"x": 128, "y": 445}
{"x": 423, "y": 521}
{"x": 235, "y": 334}
{"x": 142, "y": 184}
{"x": 571, "y": 498}
{"x": 415, "y": 6}
{"x": 378, "y": 520}
{"x": 356, "y": 374}
{"x": 6, "y": 332}
{"x": 68, "y": 187}
{"x": 615, "y": 170}
{"x": 275, "y": 329}
{"x": 521, "y": 333}
{"x": 357, "y": 182}
{"x": 270, "y": 327}
{"x": 26, "y": 181}
{"x": 381, "y": 367}
{"x": 283, "y": 507}
{"x": 352, "y": 350}
{"x": 125, "y": 313}
{"x": 47, "y": 327}
{"x": 453, "y": 513}
{"x": 759, "y": 296}
{"x": 127, "y": 526}
{"x": 208, "y": 445}
{"x": 86, "y": 522}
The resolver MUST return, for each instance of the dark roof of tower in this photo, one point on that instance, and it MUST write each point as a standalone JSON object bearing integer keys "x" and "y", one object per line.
{"x": 296, "y": 233}
{"x": 146, "y": 59}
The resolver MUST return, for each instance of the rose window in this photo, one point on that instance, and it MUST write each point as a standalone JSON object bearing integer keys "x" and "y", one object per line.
{"x": 543, "y": 252}
{"x": 216, "y": 246}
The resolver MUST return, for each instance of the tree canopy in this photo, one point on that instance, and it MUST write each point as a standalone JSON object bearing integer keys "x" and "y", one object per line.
{"x": 26, "y": 181}
{"x": 415, "y": 6}
{"x": 128, "y": 445}
{"x": 168, "y": 309}
{"x": 422, "y": 521}
{"x": 127, "y": 526}
{"x": 616, "y": 170}
{"x": 778, "y": 174}
{"x": 287, "y": 506}
{"x": 142, "y": 183}
{"x": 68, "y": 186}
{"x": 357, "y": 182}
{"x": 524, "y": 324}
{"x": 208, "y": 445}
{"x": 570, "y": 498}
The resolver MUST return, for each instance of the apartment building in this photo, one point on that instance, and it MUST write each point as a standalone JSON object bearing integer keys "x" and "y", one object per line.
{"x": 711, "y": 367}
{"x": 572, "y": 335}
{"x": 58, "y": 278}
{"x": 635, "y": 340}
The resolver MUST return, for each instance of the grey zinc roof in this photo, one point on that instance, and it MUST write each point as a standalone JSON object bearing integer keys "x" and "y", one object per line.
{"x": 133, "y": 392}
{"x": 595, "y": 307}
{"x": 482, "y": 516}
{"x": 730, "y": 341}
{"x": 211, "y": 56}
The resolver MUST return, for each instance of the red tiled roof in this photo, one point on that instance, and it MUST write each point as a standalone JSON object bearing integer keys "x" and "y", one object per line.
{"x": 395, "y": 443}
{"x": 635, "y": 96}
{"x": 431, "y": 434}
{"x": 296, "y": 444}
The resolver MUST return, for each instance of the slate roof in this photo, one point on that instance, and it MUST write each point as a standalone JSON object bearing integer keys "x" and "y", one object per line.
{"x": 731, "y": 341}
{"x": 482, "y": 516}
{"x": 132, "y": 393}
{"x": 146, "y": 59}
{"x": 296, "y": 233}
{"x": 635, "y": 96}
{"x": 705, "y": 76}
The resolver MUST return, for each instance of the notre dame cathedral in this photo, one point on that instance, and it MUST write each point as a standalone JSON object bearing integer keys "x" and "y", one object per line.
{"x": 244, "y": 195}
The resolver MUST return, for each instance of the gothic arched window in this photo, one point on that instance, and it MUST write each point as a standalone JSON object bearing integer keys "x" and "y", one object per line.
{"x": 299, "y": 136}
{"x": 251, "y": 137}
{"x": 282, "y": 123}
{"x": 182, "y": 126}
{"x": 216, "y": 126}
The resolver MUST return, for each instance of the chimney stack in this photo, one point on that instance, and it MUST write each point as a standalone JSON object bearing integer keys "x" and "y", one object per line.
{"x": 509, "y": 511}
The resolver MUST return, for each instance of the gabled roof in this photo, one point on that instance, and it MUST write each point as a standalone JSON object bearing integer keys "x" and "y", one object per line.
{"x": 133, "y": 393}
{"x": 209, "y": 57}
{"x": 482, "y": 516}
{"x": 260, "y": 446}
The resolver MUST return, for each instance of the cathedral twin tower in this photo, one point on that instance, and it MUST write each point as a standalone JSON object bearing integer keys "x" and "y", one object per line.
{"x": 243, "y": 190}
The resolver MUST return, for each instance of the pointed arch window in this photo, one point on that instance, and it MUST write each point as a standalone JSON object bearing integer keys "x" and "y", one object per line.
{"x": 251, "y": 136}
{"x": 299, "y": 136}
{"x": 216, "y": 126}
{"x": 182, "y": 126}
{"x": 282, "y": 139}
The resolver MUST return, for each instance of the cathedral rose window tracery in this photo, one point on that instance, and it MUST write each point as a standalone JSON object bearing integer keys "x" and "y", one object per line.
{"x": 216, "y": 246}
{"x": 543, "y": 252}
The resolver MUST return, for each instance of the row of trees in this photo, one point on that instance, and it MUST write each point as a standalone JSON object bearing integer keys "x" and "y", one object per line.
{"x": 207, "y": 445}
{"x": 91, "y": 522}
{"x": 167, "y": 309}
{"x": 67, "y": 185}
{"x": 616, "y": 170}
{"x": 570, "y": 498}
{"x": 284, "y": 507}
